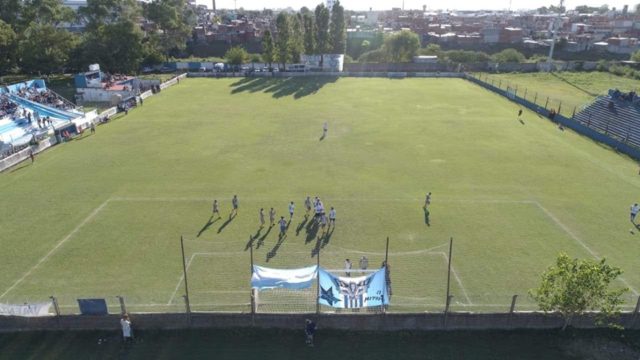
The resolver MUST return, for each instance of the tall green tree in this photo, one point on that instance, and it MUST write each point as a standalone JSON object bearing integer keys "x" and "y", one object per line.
{"x": 297, "y": 37}
{"x": 268, "y": 48}
{"x": 45, "y": 49}
{"x": 338, "y": 30}
{"x": 573, "y": 286}
{"x": 322, "y": 31}
{"x": 112, "y": 37}
{"x": 283, "y": 41}
{"x": 10, "y": 12}
{"x": 402, "y": 46}
{"x": 174, "y": 20}
{"x": 635, "y": 56}
{"x": 309, "y": 33}
{"x": 8, "y": 42}
{"x": 45, "y": 12}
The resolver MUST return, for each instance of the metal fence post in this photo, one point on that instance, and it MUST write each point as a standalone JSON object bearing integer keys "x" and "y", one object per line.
{"x": 499, "y": 84}
{"x": 56, "y": 308}
{"x": 187, "y": 308}
{"x": 123, "y": 308}
{"x": 574, "y": 113}
{"x": 525, "y": 93}
{"x": 546, "y": 103}
{"x": 446, "y": 310}
{"x": 513, "y": 307}
{"x": 535, "y": 99}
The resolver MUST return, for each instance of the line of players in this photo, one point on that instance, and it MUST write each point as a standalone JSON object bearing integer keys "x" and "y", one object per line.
{"x": 317, "y": 206}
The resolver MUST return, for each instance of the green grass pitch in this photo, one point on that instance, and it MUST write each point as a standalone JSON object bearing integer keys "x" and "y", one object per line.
{"x": 102, "y": 216}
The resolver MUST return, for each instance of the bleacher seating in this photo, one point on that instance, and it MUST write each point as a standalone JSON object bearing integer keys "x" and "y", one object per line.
{"x": 614, "y": 117}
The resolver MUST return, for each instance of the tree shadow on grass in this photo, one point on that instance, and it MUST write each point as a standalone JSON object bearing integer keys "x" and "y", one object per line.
{"x": 297, "y": 87}
{"x": 206, "y": 226}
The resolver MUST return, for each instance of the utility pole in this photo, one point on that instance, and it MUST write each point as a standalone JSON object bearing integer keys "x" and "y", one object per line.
{"x": 554, "y": 29}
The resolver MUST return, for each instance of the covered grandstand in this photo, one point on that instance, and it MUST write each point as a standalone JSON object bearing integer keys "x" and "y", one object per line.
{"x": 29, "y": 112}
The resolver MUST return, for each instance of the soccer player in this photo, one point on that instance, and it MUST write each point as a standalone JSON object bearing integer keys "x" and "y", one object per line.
{"x": 364, "y": 263}
{"x": 519, "y": 113}
{"x": 291, "y": 208}
{"x": 347, "y": 267}
{"x": 634, "y": 211}
{"x": 272, "y": 217}
{"x": 31, "y": 156}
{"x": 427, "y": 200}
{"x": 234, "y": 203}
{"x": 332, "y": 217}
{"x": 325, "y": 128}
{"x": 215, "y": 208}
{"x": 307, "y": 204}
{"x": 283, "y": 225}
{"x": 261, "y": 217}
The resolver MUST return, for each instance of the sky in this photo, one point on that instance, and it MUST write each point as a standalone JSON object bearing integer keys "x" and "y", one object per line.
{"x": 417, "y": 4}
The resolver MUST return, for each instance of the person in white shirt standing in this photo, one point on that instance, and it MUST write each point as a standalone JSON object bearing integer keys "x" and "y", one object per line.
{"x": 125, "y": 323}
{"x": 347, "y": 267}
{"x": 332, "y": 217}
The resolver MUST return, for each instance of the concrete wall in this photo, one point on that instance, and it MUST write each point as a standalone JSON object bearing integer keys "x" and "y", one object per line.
{"x": 377, "y": 322}
{"x": 23, "y": 155}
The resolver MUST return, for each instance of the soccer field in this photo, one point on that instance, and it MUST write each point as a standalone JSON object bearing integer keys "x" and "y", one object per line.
{"x": 102, "y": 216}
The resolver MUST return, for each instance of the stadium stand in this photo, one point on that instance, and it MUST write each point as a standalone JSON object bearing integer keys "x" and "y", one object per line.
{"x": 616, "y": 115}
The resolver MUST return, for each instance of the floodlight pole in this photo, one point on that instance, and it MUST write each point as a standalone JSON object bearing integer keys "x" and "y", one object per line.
{"x": 449, "y": 270}
{"x": 186, "y": 284}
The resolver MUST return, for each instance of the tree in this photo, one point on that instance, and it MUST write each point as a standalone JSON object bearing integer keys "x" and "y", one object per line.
{"x": 283, "y": 41}
{"x": 338, "y": 30}
{"x": 268, "y": 49}
{"x": 297, "y": 37}
{"x": 236, "y": 56}
{"x": 10, "y": 11}
{"x": 573, "y": 286}
{"x": 402, "y": 46}
{"x": 117, "y": 47}
{"x": 45, "y": 12}
{"x": 508, "y": 55}
{"x": 174, "y": 20}
{"x": 7, "y": 48}
{"x": 634, "y": 57}
{"x": 45, "y": 49}
{"x": 322, "y": 32}
{"x": 309, "y": 33}
{"x": 100, "y": 12}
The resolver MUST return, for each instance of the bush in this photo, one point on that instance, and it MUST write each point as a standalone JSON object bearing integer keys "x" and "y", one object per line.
{"x": 466, "y": 56}
{"x": 378, "y": 55}
{"x": 508, "y": 55}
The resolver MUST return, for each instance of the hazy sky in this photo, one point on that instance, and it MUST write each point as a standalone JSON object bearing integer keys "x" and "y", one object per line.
{"x": 417, "y": 4}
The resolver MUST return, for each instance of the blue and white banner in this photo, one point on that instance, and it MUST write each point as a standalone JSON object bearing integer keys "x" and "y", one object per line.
{"x": 353, "y": 292}
{"x": 267, "y": 278}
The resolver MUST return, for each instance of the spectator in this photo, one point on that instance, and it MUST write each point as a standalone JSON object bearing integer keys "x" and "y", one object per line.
{"x": 364, "y": 263}
{"x": 125, "y": 323}
{"x": 310, "y": 331}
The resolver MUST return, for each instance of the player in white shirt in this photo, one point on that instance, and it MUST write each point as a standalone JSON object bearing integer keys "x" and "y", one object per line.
{"x": 261, "y": 217}
{"x": 292, "y": 207}
{"x": 332, "y": 217}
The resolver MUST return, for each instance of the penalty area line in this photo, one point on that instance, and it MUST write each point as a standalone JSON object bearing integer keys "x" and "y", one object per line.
{"x": 577, "y": 239}
{"x": 455, "y": 276}
{"x": 56, "y": 247}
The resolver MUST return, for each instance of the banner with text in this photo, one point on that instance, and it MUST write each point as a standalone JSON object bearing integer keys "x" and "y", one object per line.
{"x": 353, "y": 292}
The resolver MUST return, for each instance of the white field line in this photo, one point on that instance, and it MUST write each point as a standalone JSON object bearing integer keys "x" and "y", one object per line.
{"x": 56, "y": 247}
{"x": 181, "y": 280}
{"x": 579, "y": 241}
{"x": 455, "y": 275}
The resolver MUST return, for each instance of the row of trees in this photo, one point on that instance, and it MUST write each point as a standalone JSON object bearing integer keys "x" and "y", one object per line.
{"x": 313, "y": 33}
{"x": 33, "y": 40}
